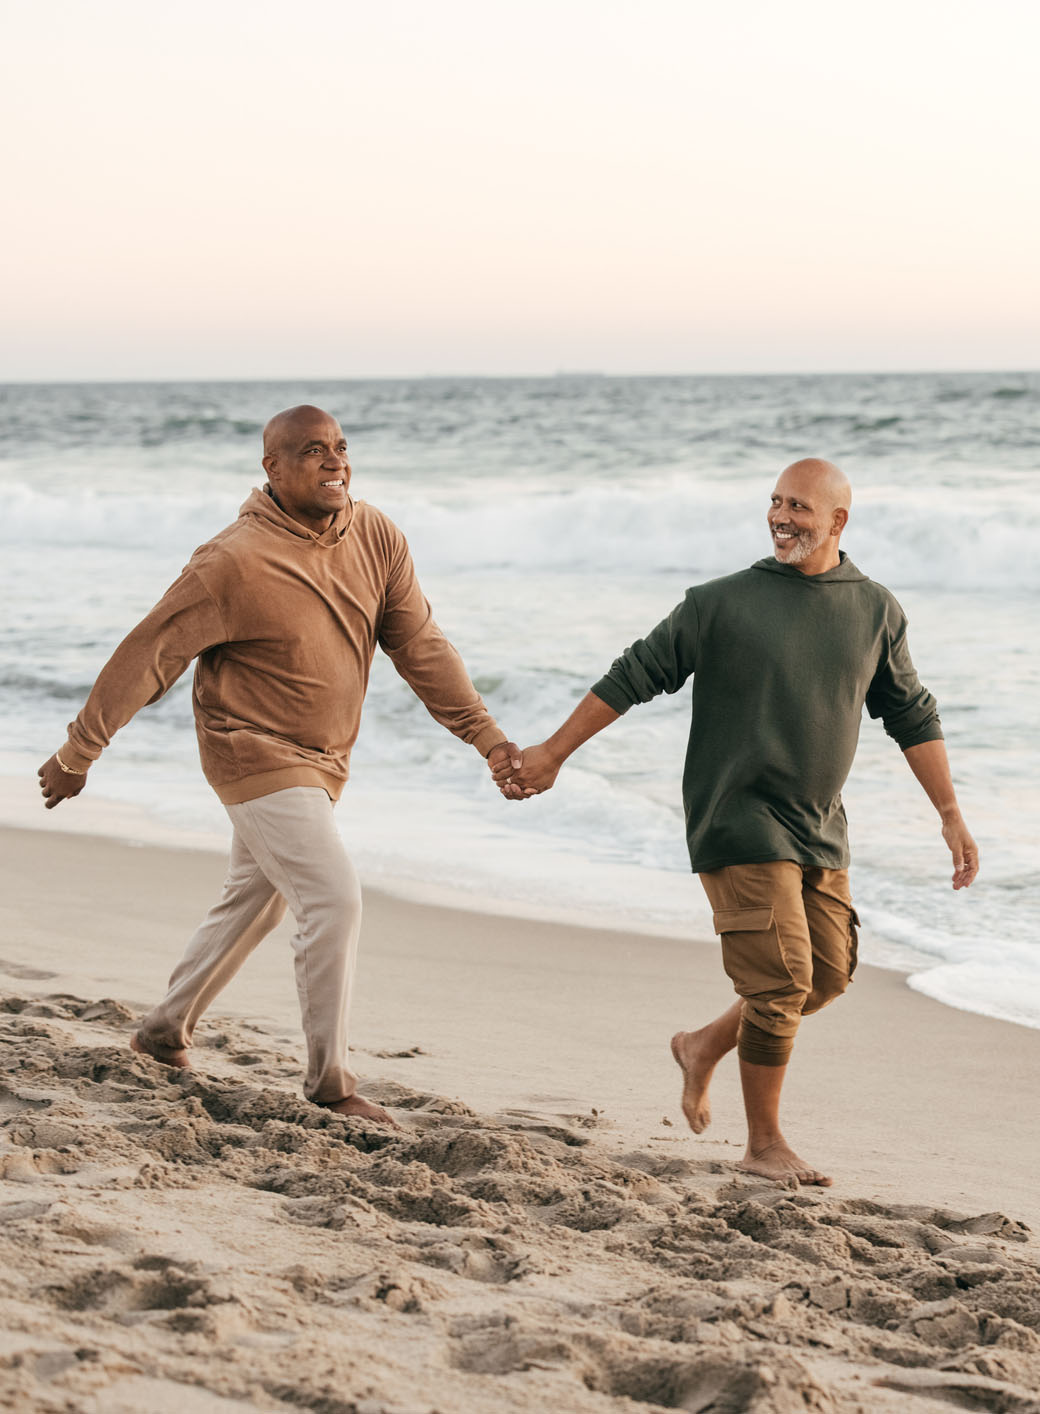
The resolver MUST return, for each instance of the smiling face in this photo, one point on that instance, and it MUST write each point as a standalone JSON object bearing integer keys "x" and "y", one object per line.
{"x": 808, "y": 511}
{"x": 305, "y": 457}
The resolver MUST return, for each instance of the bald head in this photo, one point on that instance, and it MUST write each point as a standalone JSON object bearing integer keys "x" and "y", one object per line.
{"x": 285, "y": 427}
{"x": 830, "y": 486}
{"x": 808, "y": 511}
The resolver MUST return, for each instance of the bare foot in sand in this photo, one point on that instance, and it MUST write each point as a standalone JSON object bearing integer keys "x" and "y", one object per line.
{"x": 697, "y": 1064}
{"x": 358, "y": 1106}
{"x": 165, "y": 1055}
{"x": 780, "y": 1163}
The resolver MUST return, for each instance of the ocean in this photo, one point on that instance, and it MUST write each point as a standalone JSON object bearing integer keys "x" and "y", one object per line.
{"x": 552, "y": 521}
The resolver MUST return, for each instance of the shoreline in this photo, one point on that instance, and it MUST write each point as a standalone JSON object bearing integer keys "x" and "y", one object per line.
{"x": 127, "y": 823}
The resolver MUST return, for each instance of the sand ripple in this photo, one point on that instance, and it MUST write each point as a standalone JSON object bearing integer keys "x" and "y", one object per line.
{"x": 207, "y": 1241}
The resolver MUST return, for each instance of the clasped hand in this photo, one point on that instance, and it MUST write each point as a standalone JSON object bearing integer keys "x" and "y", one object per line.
{"x": 520, "y": 774}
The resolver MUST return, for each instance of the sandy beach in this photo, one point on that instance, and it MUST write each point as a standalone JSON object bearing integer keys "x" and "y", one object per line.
{"x": 543, "y": 1233}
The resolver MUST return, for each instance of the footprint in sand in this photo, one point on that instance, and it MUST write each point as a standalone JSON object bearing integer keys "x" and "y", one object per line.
{"x": 27, "y": 974}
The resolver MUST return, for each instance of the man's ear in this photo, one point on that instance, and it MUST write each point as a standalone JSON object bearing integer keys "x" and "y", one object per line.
{"x": 839, "y": 520}
{"x": 268, "y": 463}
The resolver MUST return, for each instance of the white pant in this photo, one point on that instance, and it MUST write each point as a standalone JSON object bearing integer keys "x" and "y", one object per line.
{"x": 285, "y": 850}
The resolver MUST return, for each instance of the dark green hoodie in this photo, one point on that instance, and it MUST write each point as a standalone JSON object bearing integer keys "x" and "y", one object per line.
{"x": 783, "y": 664}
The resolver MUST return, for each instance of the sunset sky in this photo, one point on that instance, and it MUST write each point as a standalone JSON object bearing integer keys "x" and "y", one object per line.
{"x": 240, "y": 189}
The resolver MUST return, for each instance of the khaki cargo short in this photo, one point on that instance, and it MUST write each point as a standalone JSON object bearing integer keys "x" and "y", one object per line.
{"x": 789, "y": 945}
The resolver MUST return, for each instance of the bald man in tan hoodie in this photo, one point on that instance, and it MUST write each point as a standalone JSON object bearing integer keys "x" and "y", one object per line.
{"x": 282, "y": 611}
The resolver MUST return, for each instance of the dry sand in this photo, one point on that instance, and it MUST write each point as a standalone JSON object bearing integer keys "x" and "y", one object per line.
{"x": 542, "y": 1234}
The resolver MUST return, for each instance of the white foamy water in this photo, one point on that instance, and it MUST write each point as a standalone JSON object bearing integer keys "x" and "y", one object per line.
{"x": 553, "y": 521}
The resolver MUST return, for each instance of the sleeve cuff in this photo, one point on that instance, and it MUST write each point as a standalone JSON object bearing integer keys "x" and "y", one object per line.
{"x": 488, "y": 737}
{"x": 75, "y": 759}
{"x": 608, "y": 691}
{"x": 932, "y": 732}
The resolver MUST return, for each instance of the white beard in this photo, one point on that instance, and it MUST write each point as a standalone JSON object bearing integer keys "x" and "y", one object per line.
{"x": 798, "y": 550}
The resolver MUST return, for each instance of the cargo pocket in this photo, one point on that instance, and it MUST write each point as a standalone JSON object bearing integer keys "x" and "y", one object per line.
{"x": 751, "y": 952}
{"x": 853, "y": 940}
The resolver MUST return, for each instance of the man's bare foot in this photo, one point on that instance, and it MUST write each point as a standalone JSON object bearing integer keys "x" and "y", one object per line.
{"x": 697, "y": 1067}
{"x": 165, "y": 1055}
{"x": 358, "y": 1106}
{"x": 780, "y": 1163}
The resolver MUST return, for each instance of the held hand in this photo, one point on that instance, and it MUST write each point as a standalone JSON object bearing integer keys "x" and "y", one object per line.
{"x": 503, "y": 759}
{"x": 540, "y": 765}
{"x": 58, "y": 785}
{"x": 964, "y": 850}
{"x": 538, "y": 770}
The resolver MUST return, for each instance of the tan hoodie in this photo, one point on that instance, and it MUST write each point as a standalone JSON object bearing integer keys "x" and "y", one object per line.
{"x": 284, "y": 623}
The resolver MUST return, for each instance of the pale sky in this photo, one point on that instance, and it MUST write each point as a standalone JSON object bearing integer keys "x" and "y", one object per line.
{"x": 330, "y": 188}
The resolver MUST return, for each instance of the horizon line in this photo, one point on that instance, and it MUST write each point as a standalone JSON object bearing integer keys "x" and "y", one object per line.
{"x": 562, "y": 374}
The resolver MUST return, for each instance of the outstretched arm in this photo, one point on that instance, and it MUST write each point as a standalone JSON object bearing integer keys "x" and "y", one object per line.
{"x": 431, "y": 665}
{"x": 541, "y": 764}
{"x": 186, "y": 620}
{"x": 930, "y": 765}
{"x": 661, "y": 662}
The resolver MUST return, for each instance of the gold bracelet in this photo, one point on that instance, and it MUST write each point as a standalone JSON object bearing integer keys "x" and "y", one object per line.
{"x": 67, "y": 769}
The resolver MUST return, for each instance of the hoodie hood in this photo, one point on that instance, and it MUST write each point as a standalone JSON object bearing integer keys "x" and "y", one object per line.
{"x": 262, "y": 506}
{"x": 843, "y": 573}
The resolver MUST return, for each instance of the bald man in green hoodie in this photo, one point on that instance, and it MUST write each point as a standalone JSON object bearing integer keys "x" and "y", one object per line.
{"x": 784, "y": 656}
